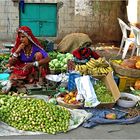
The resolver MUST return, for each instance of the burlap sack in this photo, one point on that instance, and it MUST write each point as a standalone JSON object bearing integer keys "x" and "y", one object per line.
{"x": 73, "y": 41}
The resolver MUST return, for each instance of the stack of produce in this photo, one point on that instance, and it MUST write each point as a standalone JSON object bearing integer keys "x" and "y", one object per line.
{"x": 129, "y": 67}
{"x": 94, "y": 67}
{"x": 60, "y": 62}
{"x": 3, "y": 60}
{"x": 12, "y": 93}
{"x": 32, "y": 114}
{"x": 132, "y": 62}
{"x": 102, "y": 93}
{"x": 52, "y": 54}
{"x": 69, "y": 97}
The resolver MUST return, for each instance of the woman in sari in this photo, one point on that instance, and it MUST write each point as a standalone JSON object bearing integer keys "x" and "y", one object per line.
{"x": 29, "y": 60}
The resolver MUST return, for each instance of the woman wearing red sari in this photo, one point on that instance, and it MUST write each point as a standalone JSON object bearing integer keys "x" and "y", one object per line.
{"x": 29, "y": 60}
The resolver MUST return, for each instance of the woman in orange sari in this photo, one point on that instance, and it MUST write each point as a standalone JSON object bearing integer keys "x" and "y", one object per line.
{"x": 29, "y": 60}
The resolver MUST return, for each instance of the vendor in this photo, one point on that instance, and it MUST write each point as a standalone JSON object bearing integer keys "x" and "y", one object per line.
{"x": 28, "y": 60}
{"x": 85, "y": 52}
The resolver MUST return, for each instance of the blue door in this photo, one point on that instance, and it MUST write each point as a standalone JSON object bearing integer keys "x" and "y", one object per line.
{"x": 41, "y": 18}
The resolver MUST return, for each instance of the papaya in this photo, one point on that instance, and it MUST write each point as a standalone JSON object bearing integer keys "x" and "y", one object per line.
{"x": 138, "y": 64}
{"x": 111, "y": 116}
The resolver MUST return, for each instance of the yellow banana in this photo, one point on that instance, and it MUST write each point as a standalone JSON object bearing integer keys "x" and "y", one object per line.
{"x": 85, "y": 67}
{"x": 109, "y": 69}
{"x": 103, "y": 70}
{"x": 90, "y": 63}
{"x": 94, "y": 69}
{"x": 82, "y": 68}
{"x": 92, "y": 60}
{"x": 89, "y": 66}
{"x": 99, "y": 59}
{"x": 98, "y": 70}
{"x": 76, "y": 67}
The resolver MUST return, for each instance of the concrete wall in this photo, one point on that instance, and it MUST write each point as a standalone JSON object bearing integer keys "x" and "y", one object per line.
{"x": 101, "y": 25}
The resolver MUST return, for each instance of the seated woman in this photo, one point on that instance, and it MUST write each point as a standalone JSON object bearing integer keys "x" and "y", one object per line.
{"x": 29, "y": 60}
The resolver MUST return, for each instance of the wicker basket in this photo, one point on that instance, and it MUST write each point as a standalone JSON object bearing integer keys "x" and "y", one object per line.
{"x": 71, "y": 106}
{"x": 129, "y": 72}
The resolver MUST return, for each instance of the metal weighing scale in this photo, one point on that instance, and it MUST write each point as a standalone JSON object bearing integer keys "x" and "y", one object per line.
{"x": 48, "y": 88}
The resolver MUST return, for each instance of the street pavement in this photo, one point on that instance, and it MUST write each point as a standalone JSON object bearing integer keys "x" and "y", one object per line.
{"x": 106, "y": 131}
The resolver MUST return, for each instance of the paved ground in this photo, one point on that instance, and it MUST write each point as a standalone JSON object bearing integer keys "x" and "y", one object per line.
{"x": 99, "y": 132}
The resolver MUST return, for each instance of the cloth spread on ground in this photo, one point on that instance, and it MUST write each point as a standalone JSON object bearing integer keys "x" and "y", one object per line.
{"x": 73, "y": 41}
{"x": 99, "y": 118}
{"x": 78, "y": 116}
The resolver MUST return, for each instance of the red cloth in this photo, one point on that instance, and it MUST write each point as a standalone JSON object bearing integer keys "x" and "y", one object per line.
{"x": 85, "y": 53}
{"x": 27, "y": 32}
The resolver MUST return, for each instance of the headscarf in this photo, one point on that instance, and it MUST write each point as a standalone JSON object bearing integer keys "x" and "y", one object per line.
{"x": 28, "y": 33}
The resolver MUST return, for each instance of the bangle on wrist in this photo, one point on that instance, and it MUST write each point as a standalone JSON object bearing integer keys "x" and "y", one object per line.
{"x": 36, "y": 64}
{"x": 15, "y": 54}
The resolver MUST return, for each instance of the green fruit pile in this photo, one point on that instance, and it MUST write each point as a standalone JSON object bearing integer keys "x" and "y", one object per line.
{"x": 102, "y": 93}
{"x": 60, "y": 62}
{"x": 31, "y": 114}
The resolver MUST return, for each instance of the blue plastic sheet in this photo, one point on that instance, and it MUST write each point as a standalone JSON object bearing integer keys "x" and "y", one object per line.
{"x": 99, "y": 118}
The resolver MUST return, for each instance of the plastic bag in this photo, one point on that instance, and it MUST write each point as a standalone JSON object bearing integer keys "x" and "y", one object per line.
{"x": 86, "y": 90}
{"x": 71, "y": 81}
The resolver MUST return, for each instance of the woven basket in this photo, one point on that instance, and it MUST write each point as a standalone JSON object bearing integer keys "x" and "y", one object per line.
{"x": 129, "y": 72}
{"x": 71, "y": 106}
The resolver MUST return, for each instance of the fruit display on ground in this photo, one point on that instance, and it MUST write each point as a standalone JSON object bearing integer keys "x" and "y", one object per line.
{"x": 32, "y": 114}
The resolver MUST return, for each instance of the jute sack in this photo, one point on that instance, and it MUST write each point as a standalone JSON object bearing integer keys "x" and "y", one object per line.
{"x": 73, "y": 41}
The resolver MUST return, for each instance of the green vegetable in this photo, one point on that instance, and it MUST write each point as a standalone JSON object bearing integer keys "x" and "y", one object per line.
{"x": 32, "y": 114}
{"x": 102, "y": 93}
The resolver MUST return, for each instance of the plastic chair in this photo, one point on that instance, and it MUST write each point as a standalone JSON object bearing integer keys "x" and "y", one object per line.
{"x": 136, "y": 32}
{"x": 126, "y": 41}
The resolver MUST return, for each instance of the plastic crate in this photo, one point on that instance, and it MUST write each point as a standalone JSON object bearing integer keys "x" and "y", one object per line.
{"x": 126, "y": 82}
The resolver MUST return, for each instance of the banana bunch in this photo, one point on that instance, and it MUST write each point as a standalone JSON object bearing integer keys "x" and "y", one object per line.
{"x": 98, "y": 67}
{"x": 82, "y": 69}
{"x": 94, "y": 67}
{"x": 101, "y": 70}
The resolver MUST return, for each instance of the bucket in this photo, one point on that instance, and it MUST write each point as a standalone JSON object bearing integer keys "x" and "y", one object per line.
{"x": 71, "y": 81}
{"x": 4, "y": 76}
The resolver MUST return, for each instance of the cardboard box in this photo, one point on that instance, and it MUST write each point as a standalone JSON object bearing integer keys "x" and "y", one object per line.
{"x": 112, "y": 86}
